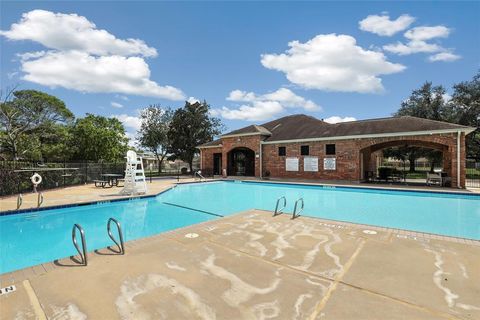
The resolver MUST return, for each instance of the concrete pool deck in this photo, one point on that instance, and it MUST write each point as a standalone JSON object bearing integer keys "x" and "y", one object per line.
{"x": 255, "y": 266}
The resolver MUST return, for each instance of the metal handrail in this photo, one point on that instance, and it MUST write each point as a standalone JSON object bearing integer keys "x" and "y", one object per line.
{"x": 83, "y": 253}
{"x": 19, "y": 201}
{"x": 121, "y": 246}
{"x": 281, "y": 209}
{"x": 295, "y": 213}
{"x": 200, "y": 175}
{"x": 39, "y": 199}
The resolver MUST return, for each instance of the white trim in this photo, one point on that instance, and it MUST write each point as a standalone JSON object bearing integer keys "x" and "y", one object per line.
{"x": 459, "y": 135}
{"x": 376, "y": 135}
{"x": 246, "y": 134}
{"x": 260, "y": 158}
{"x": 215, "y": 146}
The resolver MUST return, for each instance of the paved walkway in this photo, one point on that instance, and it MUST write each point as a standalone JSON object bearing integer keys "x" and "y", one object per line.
{"x": 254, "y": 266}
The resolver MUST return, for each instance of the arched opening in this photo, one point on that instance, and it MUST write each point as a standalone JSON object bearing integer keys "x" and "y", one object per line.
{"x": 406, "y": 161}
{"x": 241, "y": 162}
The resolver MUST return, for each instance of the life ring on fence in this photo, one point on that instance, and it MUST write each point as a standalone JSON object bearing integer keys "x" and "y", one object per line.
{"x": 36, "y": 179}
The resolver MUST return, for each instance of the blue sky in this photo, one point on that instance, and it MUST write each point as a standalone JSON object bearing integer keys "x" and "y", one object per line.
{"x": 251, "y": 61}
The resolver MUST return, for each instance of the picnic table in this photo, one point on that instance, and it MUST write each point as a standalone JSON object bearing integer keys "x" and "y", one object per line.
{"x": 112, "y": 178}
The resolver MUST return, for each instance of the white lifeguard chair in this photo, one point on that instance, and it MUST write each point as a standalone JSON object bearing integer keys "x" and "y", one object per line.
{"x": 135, "y": 182}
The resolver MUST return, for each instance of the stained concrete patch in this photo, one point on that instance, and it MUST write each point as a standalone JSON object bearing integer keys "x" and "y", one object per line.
{"x": 175, "y": 281}
{"x": 304, "y": 244}
{"x": 437, "y": 275}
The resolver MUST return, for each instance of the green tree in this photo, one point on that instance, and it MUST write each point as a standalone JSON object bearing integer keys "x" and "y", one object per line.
{"x": 464, "y": 109}
{"x": 29, "y": 112}
{"x": 426, "y": 102}
{"x": 191, "y": 126}
{"x": 153, "y": 133}
{"x": 99, "y": 138}
{"x": 56, "y": 142}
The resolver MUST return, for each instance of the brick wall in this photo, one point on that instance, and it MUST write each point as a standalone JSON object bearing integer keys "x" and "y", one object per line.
{"x": 347, "y": 160}
{"x": 349, "y": 154}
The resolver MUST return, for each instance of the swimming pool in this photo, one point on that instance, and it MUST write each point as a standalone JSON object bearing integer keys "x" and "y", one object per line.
{"x": 31, "y": 238}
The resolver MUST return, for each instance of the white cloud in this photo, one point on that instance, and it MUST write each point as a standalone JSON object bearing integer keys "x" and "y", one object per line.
{"x": 337, "y": 119}
{"x": 116, "y": 105}
{"x": 192, "y": 100}
{"x": 412, "y": 47}
{"x": 73, "y": 32}
{"x": 283, "y": 95}
{"x": 427, "y": 33}
{"x": 119, "y": 96}
{"x": 85, "y": 58}
{"x": 82, "y": 72}
{"x": 256, "y": 111}
{"x": 262, "y": 107}
{"x": 383, "y": 26}
{"x": 444, "y": 56}
{"x": 334, "y": 63}
{"x": 130, "y": 122}
{"x": 417, "y": 43}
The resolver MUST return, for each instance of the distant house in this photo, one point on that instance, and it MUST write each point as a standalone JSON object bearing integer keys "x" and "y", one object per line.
{"x": 150, "y": 161}
{"x": 301, "y": 146}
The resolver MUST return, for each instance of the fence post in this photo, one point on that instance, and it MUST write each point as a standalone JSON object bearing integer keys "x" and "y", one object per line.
{"x": 86, "y": 171}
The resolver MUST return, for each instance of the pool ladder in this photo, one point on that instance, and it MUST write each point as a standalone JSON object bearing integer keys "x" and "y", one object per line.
{"x": 199, "y": 174}
{"x": 83, "y": 253}
{"x": 295, "y": 212}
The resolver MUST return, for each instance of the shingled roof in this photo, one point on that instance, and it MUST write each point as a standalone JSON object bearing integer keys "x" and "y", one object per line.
{"x": 249, "y": 130}
{"x": 300, "y": 126}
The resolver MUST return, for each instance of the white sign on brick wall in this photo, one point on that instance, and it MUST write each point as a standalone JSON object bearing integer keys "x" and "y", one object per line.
{"x": 291, "y": 164}
{"x": 330, "y": 164}
{"x": 310, "y": 164}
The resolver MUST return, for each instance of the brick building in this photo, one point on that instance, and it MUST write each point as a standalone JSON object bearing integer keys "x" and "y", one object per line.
{"x": 300, "y": 146}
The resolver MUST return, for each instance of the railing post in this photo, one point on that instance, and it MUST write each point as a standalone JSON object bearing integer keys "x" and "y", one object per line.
{"x": 19, "y": 201}
{"x": 39, "y": 199}
{"x": 83, "y": 253}
{"x": 121, "y": 246}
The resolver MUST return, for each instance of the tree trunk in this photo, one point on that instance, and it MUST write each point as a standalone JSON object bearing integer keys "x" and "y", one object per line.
{"x": 411, "y": 159}
{"x": 160, "y": 162}
{"x": 14, "y": 149}
{"x": 432, "y": 166}
{"x": 190, "y": 164}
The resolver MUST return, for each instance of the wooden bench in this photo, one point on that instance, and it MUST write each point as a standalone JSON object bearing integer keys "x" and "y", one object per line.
{"x": 100, "y": 183}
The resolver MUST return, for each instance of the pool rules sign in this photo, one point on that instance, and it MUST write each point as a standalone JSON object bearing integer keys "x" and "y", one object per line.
{"x": 310, "y": 164}
{"x": 329, "y": 164}
{"x": 291, "y": 164}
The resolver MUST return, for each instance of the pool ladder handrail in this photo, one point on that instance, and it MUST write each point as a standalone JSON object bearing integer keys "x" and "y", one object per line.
{"x": 39, "y": 199}
{"x": 277, "y": 211}
{"x": 83, "y": 253}
{"x": 199, "y": 174}
{"x": 295, "y": 213}
{"x": 19, "y": 201}
{"x": 121, "y": 245}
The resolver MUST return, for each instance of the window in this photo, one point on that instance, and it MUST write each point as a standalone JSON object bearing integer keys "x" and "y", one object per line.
{"x": 282, "y": 151}
{"x": 304, "y": 150}
{"x": 329, "y": 149}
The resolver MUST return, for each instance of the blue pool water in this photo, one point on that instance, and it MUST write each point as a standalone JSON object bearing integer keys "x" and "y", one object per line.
{"x": 31, "y": 238}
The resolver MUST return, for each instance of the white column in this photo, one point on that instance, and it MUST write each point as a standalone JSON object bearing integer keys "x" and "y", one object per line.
{"x": 459, "y": 134}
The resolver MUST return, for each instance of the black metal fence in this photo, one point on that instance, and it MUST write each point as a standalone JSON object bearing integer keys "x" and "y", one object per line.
{"x": 472, "y": 173}
{"x": 15, "y": 175}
